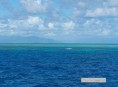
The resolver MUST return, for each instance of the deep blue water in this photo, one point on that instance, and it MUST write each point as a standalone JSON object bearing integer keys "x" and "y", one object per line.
{"x": 37, "y": 66}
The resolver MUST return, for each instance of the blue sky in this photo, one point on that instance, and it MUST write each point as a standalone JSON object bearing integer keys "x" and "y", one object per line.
{"x": 70, "y": 21}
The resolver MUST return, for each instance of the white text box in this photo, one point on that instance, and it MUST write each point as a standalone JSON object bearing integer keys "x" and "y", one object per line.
{"x": 90, "y": 80}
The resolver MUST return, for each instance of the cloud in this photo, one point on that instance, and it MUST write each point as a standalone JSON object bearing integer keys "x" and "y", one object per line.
{"x": 50, "y": 34}
{"x": 102, "y": 12}
{"x": 25, "y": 26}
{"x": 34, "y": 25}
{"x": 111, "y": 3}
{"x": 58, "y": 30}
{"x": 2, "y": 25}
{"x": 35, "y": 6}
{"x": 68, "y": 25}
{"x": 105, "y": 32}
{"x": 26, "y": 23}
{"x": 50, "y": 25}
{"x": 34, "y": 20}
{"x": 76, "y": 12}
{"x": 91, "y": 22}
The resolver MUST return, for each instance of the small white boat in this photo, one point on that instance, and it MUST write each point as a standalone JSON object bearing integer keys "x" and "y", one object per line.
{"x": 68, "y": 48}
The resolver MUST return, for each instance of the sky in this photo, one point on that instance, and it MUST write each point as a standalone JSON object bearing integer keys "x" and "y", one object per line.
{"x": 63, "y": 21}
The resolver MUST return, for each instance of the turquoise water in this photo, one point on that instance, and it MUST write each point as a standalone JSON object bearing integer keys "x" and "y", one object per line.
{"x": 57, "y": 65}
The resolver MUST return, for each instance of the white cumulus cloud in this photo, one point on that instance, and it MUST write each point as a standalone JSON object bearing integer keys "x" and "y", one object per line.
{"x": 34, "y": 20}
{"x": 102, "y": 12}
{"x": 50, "y": 25}
{"x": 35, "y": 6}
{"x": 69, "y": 25}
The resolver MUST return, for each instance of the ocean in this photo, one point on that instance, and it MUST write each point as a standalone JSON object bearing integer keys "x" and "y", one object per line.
{"x": 58, "y": 65}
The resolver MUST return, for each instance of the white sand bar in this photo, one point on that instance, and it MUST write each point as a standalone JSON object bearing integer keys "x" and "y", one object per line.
{"x": 91, "y": 80}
